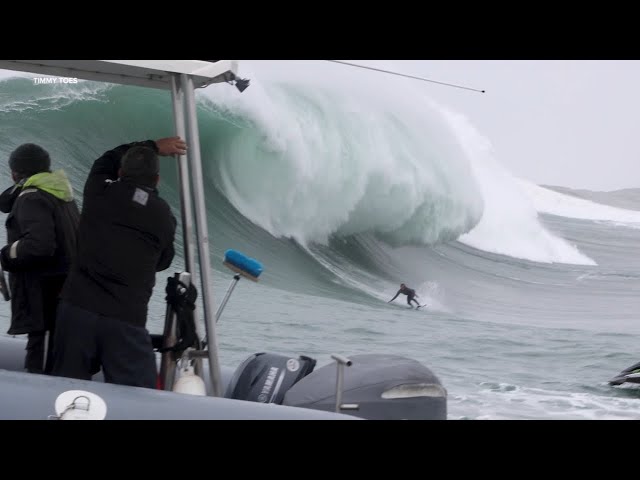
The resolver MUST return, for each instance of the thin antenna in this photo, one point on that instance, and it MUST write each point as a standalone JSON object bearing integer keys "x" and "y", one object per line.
{"x": 406, "y": 76}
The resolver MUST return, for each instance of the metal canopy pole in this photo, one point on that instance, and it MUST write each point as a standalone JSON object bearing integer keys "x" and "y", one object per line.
{"x": 183, "y": 176}
{"x": 193, "y": 140}
{"x": 186, "y": 208}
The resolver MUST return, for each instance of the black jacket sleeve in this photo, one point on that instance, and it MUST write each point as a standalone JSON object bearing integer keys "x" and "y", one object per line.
{"x": 37, "y": 242}
{"x": 106, "y": 167}
{"x": 167, "y": 254}
{"x": 166, "y": 257}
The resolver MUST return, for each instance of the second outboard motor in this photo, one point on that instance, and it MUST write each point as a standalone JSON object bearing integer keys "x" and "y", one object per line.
{"x": 266, "y": 377}
{"x": 375, "y": 387}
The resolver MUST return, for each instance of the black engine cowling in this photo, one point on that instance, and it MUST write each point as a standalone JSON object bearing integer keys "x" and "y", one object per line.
{"x": 266, "y": 377}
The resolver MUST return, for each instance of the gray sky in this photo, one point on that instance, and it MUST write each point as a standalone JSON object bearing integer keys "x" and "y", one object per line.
{"x": 557, "y": 122}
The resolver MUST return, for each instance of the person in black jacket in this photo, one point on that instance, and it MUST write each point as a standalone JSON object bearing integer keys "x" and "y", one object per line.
{"x": 41, "y": 241}
{"x": 126, "y": 235}
{"x": 409, "y": 292}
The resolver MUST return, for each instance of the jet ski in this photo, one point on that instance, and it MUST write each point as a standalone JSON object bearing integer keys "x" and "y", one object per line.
{"x": 628, "y": 375}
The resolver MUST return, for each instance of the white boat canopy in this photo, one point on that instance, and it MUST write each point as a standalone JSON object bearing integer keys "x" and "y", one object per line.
{"x": 144, "y": 73}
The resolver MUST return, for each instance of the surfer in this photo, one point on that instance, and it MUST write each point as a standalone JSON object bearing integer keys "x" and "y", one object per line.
{"x": 409, "y": 292}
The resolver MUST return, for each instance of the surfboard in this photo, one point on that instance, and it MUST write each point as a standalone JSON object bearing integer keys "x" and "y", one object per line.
{"x": 406, "y": 307}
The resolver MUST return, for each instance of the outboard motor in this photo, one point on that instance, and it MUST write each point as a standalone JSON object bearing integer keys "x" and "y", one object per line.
{"x": 266, "y": 377}
{"x": 374, "y": 387}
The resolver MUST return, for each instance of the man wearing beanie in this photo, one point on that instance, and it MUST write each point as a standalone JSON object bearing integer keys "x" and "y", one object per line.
{"x": 125, "y": 236}
{"x": 41, "y": 242}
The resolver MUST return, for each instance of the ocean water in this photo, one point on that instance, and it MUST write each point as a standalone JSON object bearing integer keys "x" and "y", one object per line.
{"x": 343, "y": 192}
